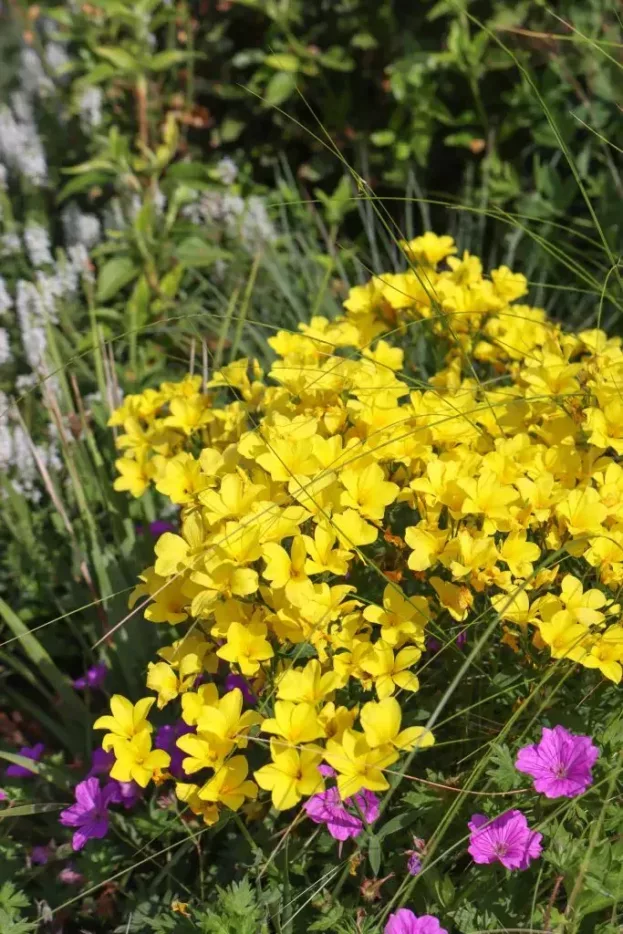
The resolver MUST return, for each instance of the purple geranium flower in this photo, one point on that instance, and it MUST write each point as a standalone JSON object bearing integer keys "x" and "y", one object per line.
{"x": 506, "y": 839}
{"x": 166, "y": 738}
{"x": 101, "y": 762}
{"x": 156, "y": 528}
{"x": 560, "y": 764}
{"x": 238, "y": 681}
{"x": 404, "y": 921}
{"x": 126, "y": 793}
{"x": 90, "y": 812}
{"x": 327, "y": 808}
{"x": 28, "y": 752}
{"x": 39, "y": 855}
{"x": 93, "y": 677}
{"x": 414, "y": 865}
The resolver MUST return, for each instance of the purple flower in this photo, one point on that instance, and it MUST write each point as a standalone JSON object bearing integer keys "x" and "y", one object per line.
{"x": 156, "y": 528}
{"x": 404, "y": 921}
{"x": 414, "y": 865}
{"x": 166, "y": 738}
{"x": 101, "y": 762}
{"x": 28, "y": 752}
{"x": 327, "y": 808}
{"x": 39, "y": 855}
{"x": 126, "y": 793}
{"x": 3, "y": 795}
{"x": 434, "y": 645}
{"x": 237, "y": 681}
{"x": 90, "y": 812}
{"x": 93, "y": 678}
{"x": 506, "y": 839}
{"x": 560, "y": 764}
{"x": 326, "y": 771}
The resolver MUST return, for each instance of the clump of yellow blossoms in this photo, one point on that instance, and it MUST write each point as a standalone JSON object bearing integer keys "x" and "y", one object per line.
{"x": 491, "y": 488}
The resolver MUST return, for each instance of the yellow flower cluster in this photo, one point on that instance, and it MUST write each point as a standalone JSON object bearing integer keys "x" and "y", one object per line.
{"x": 492, "y": 486}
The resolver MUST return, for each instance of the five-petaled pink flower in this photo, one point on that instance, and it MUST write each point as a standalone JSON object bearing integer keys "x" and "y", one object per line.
{"x": 560, "y": 763}
{"x": 404, "y": 921}
{"x": 505, "y": 839}
{"x": 327, "y": 808}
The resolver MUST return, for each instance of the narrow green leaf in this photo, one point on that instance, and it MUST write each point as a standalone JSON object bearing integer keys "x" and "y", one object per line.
{"x": 374, "y": 854}
{"x": 28, "y": 810}
{"x": 43, "y": 662}
{"x": 42, "y": 769}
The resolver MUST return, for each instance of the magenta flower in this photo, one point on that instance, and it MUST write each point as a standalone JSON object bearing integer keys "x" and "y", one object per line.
{"x": 560, "y": 764}
{"x": 3, "y": 795}
{"x": 28, "y": 752}
{"x": 93, "y": 678}
{"x": 414, "y": 865}
{"x": 90, "y": 812}
{"x": 327, "y": 808}
{"x": 505, "y": 839}
{"x": 326, "y": 771}
{"x": 404, "y": 921}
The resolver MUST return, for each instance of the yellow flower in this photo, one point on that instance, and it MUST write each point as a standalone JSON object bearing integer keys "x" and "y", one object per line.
{"x": 400, "y": 616}
{"x": 357, "y": 764}
{"x": 136, "y": 761}
{"x": 134, "y": 475}
{"x": 389, "y": 671}
{"x": 127, "y": 719}
{"x": 323, "y": 557}
{"x": 366, "y": 490}
{"x": 162, "y": 679}
{"x": 307, "y": 684}
{"x": 429, "y": 248}
{"x": 246, "y": 647}
{"x": 288, "y": 570}
{"x": 292, "y": 774}
{"x": 519, "y": 554}
{"x": 183, "y": 479}
{"x": 174, "y": 553}
{"x": 230, "y": 786}
{"x": 296, "y": 723}
{"x": 381, "y": 727}
{"x": 224, "y": 719}
{"x": 204, "y": 751}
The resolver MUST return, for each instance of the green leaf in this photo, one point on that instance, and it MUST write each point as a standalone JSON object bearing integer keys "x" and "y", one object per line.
{"x": 374, "y": 854}
{"x": 113, "y": 276}
{"x": 44, "y": 663}
{"x": 397, "y": 823}
{"x": 29, "y": 810}
{"x": 282, "y": 61}
{"x": 279, "y": 89}
{"x": 195, "y": 252}
{"x": 503, "y": 773}
{"x": 382, "y": 138}
{"x": 121, "y": 59}
{"x": 161, "y": 61}
{"x": 50, "y": 773}
{"x": 82, "y": 183}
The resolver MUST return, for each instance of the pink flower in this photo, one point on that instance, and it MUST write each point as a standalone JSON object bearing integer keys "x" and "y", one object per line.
{"x": 506, "y": 839}
{"x": 70, "y": 876}
{"x": 327, "y": 808}
{"x": 404, "y": 921}
{"x": 560, "y": 764}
